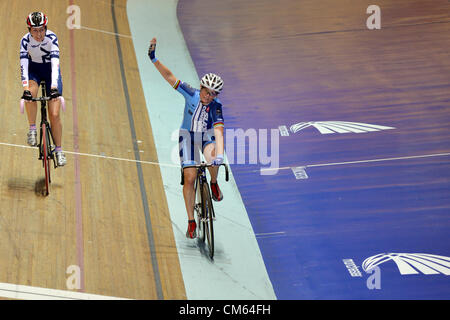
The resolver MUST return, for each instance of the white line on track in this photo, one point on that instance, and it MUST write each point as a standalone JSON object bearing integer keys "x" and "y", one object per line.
{"x": 107, "y": 32}
{"x": 15, "y": 291}
{"x": 262, "y": 169}
{"x": 270, "y": 234}
{"x": 97, "y": 156}
{"x": 360, "y": 161}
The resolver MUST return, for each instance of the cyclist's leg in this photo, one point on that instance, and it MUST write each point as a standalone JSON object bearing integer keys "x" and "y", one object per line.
{"x": 209, "y": 152}
{"x": 190, "y": 174}
{"x": 55, "y": 120}
{"x": 35, "y": 75}
{"x": 54, "y": 107}
{"x": 187, "y": 154}
{"x": 188, "y": 191}
{"x": 31, "y": 106}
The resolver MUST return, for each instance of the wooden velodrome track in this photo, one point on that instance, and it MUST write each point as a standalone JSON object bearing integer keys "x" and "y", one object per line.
{"x": 107, "y": 216}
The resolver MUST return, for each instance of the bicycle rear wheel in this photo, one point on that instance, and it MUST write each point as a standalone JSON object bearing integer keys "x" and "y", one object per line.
{"x": 208, "y": 215}
{"x": 45, "y": 158}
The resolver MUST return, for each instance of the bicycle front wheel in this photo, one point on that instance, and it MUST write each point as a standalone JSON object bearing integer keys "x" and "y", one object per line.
{"x": 45, "y": 158}
{"x": 208, "y": 216}
{"x": 198, "y": 210}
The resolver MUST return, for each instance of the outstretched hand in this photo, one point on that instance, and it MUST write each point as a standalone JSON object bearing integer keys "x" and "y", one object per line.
{"x": 152, "y": 49}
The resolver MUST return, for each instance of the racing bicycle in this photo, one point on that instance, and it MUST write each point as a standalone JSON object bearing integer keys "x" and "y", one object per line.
{"x": 46, "y": 146}
{"x": 203, "y": 207}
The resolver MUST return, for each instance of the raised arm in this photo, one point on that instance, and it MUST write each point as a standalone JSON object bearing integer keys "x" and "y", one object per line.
{"x": 163, "y": 70}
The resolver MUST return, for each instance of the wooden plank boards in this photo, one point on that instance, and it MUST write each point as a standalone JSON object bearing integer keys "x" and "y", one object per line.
{"x": 39, "y": 234}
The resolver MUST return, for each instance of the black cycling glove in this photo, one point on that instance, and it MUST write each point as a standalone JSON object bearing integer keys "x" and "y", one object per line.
{"x": 151, "y": 52}
{"x": 54, "y": 93}
{"x": 27, "y": 95}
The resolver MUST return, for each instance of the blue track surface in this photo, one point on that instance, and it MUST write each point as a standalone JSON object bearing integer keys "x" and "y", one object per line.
{"x": 292, "y": 71}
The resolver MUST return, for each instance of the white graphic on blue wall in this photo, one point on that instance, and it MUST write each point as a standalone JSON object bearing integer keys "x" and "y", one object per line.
{"x": 330, "y": 127}
{"x": 411, "y": 263}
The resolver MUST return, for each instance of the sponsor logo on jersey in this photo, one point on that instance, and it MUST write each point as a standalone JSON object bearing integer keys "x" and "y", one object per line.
{"x": 203, "y": 119}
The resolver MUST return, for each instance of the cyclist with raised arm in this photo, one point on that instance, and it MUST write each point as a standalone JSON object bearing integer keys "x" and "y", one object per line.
{"x": 202, "y": 129}
{"x": 39, "y": 60}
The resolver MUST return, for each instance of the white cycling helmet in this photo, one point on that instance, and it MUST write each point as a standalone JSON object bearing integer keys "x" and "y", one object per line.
{"x": 212, "y": 81}
{"x": 37, "y": 19}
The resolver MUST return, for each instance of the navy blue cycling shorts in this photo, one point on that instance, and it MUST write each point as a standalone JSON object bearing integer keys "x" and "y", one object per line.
{"x": 191, "y": 144}
{"x": 43, "y": 71}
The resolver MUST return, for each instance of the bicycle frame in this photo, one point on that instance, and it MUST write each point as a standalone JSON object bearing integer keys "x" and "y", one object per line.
{"x": 201, "y": 171}
{"x": 45, "y": 122}
{"x": 45, "y": 140}
{"x": 45, "y": 146}
{"x": 203, "y": 204}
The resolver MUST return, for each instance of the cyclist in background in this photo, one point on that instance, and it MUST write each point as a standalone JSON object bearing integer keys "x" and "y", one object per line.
{"x": 39, "y": 60}
{"x": 201, "y": 130}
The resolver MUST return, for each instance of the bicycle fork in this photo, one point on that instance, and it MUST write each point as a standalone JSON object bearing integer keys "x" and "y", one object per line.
{"x": 51, "y": 147}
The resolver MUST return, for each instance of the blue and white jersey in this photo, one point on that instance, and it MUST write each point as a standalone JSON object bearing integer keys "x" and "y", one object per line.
{"x": 45, "y": 52}
{"x": 198, "y": 117}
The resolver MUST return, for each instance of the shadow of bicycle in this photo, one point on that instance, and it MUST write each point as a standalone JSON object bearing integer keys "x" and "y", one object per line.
{"x": 204, "y": 250}
{"x": 39, "y": 188}
{"x": 219, "y": 254}
{"x": 28, "y": 185}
